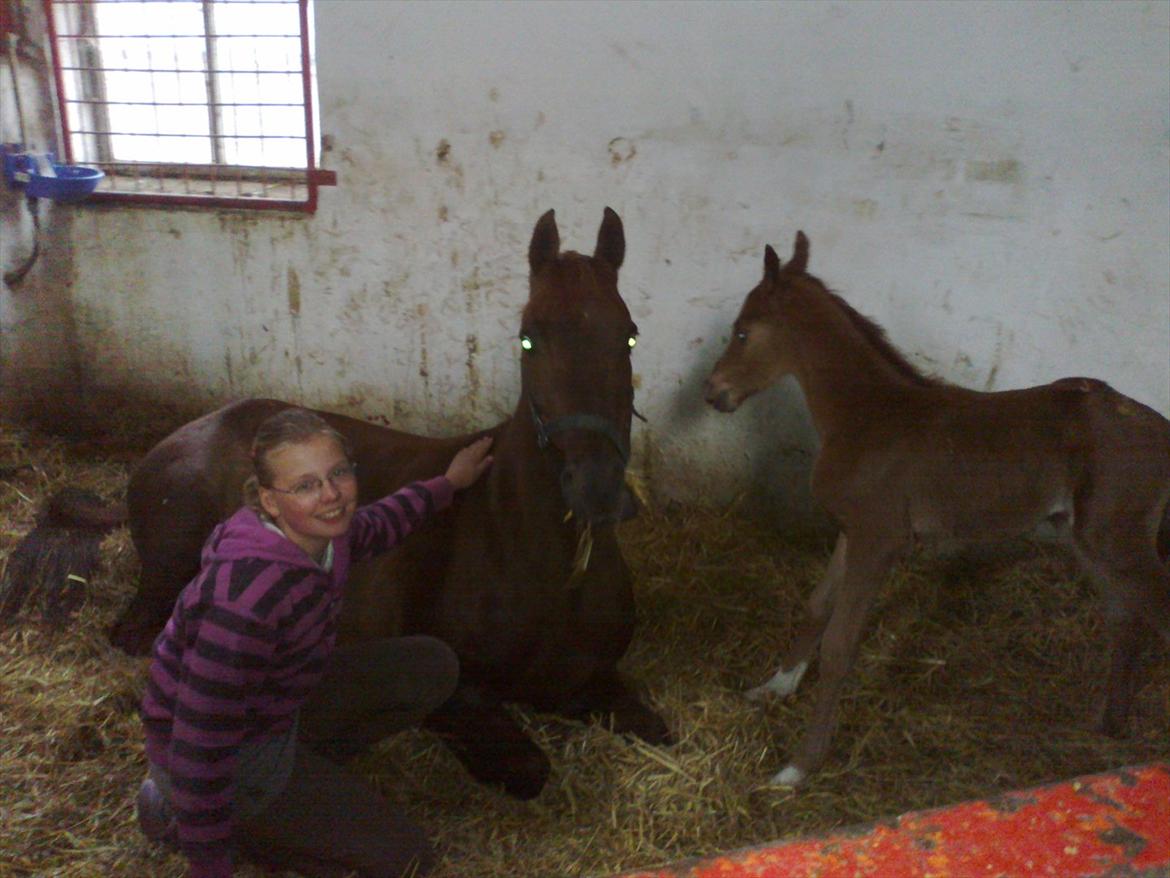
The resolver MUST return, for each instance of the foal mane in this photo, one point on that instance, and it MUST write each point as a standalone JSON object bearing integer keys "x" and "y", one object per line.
{"x": 876, "y": 336}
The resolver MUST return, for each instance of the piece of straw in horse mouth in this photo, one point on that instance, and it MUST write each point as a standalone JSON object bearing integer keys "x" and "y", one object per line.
{"x": 584, "y": 549}
{"x": 585, "y": 534}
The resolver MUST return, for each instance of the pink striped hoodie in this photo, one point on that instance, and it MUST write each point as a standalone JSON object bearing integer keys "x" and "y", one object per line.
{"x": 246, "y": 643}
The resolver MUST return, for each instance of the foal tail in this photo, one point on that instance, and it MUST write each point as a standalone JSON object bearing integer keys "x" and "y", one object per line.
{"x": 57, "y": 557}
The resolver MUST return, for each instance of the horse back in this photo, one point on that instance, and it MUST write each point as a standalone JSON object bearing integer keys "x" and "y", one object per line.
{"x": 956, "y": 463}
{"x": 194, "y": 478}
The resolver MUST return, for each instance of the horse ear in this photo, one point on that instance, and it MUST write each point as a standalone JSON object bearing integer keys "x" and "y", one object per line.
{"x": 611, "y": 240}
{"x": 771, "y": 263}
{"x": 546, "y": 242}
{"x": 798, "y": 264}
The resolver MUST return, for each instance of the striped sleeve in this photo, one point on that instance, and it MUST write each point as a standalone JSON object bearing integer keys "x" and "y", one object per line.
{"x": 384, "y": 523}
{"x": 222, "y": 668}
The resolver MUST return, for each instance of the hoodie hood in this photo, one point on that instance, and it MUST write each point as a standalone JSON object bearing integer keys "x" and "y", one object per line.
{"x": 245, "y": 535}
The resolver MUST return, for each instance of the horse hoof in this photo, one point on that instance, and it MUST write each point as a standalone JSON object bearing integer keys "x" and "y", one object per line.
{"x": 652, "y": 729}
{"x": 789, "y": 776}
{"x": 527, "y": 783}
{"x": 521, "y": 776}
{"x": 132, "y": 639}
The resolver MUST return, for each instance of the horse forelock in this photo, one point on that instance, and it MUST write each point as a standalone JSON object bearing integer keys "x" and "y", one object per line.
{"x": 571, "y": 278}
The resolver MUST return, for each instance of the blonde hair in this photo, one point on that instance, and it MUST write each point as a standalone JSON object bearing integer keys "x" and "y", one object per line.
{"x": 287, "y": 427}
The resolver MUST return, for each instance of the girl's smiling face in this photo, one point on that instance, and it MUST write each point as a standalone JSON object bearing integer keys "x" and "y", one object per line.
{"x": 313, "y": 492}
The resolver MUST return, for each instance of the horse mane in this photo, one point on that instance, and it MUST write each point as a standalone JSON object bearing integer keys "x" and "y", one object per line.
{"x": 876, "y": 336}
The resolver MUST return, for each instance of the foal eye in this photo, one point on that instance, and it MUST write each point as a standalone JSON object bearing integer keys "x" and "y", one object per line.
{"x": 741, "y": 335}
{"x": 525, "y": 342}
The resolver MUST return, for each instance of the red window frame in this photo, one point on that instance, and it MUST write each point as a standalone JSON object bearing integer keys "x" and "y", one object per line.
{"x": 182, "y": 184}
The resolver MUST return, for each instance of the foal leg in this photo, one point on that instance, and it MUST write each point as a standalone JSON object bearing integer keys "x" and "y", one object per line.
{"x": 796, "y": 660}
{"x": 1136, "y": 589}
{"x": 867, "y": 562}
{"x": 1126, "y": 632}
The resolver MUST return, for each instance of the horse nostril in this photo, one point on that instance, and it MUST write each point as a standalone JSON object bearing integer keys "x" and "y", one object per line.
{"x": 720, "y": 400}
{"x": 593, "y": 487}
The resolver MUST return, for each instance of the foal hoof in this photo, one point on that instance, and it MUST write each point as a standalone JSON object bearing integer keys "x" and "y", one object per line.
{"x": 1111, "y": 726}
{"x": 782, "y": 684}
{"x": 758, "y": 694}
{"x": 789, "y": 776}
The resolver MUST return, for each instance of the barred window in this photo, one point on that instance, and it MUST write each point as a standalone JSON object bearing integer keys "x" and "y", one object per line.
{"x": 203, "y": 102}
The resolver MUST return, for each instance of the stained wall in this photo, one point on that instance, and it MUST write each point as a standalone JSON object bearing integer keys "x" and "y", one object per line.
{"x": 989, "y": 181}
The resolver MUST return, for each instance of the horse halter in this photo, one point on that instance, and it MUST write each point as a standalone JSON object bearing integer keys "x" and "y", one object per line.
{"x": 581, "y": 421}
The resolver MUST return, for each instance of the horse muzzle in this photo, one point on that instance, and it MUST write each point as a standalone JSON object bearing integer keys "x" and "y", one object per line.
{"x": 595, "y": 491}
{"x": 593, "y": 475}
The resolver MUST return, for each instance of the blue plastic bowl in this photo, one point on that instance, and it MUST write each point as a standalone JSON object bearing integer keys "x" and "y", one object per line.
{"x": 72, "y": 183}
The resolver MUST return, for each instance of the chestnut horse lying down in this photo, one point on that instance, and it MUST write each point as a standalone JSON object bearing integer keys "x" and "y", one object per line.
{"x": 498, "y": 576}
{"x": 906, "y": 458}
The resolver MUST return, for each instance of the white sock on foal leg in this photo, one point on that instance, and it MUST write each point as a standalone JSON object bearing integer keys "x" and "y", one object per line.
{"x": 783, "y": 683}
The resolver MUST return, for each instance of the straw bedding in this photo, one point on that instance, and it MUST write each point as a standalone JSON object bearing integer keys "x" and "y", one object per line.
{"x": 977, "y": 675}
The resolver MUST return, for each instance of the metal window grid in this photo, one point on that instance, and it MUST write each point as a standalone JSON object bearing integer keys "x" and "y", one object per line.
{"x": 194, "y": 102}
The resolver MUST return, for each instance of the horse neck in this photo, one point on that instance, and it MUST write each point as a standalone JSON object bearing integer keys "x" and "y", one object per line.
{"x": 843, "y": 373}
{"x": 524, "y": 486}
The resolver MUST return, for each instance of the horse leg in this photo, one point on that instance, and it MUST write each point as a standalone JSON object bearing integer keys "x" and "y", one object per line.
{"x": 796, "y": 660}
{"x": 866, "y": 564}
{"x": 169, "y": 556}
{"x": 491, "y": 746}
{"x": 608, "y": 699}
{"x": 145, "y": 616}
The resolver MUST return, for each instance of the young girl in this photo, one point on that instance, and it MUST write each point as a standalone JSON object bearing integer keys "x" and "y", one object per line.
{"x": 246, "y": 691}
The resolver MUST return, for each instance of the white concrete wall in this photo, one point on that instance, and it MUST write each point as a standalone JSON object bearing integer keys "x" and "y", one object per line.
{"x": 38, "y": 349}
{"x": 989, "y": 181}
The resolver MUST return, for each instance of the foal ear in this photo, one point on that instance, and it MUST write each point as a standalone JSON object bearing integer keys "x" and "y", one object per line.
{"x": 798, "y": 264}
{"x": 771, "y": 263}
{"x": 611, "y": 240}
{"x": 546, "y": 242}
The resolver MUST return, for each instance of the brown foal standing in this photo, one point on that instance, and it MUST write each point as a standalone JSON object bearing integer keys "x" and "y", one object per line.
{"x": 907, "y": 458}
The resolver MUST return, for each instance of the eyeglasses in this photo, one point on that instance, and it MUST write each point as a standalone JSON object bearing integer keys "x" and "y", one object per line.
{"x": 310, "y": 488}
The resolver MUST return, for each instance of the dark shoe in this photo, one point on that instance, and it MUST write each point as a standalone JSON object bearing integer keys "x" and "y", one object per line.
{"x": 339, "y": 751}
{"x": 155, "y": 818}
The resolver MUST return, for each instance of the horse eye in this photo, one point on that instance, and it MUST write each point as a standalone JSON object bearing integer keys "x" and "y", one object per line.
{"x": 633, "y": 340}
{"x": 741, "y": 335}
{"x": 526, "y": 342}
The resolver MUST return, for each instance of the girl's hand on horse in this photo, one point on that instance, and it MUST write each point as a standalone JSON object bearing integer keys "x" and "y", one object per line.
{"x": 470, "y": 463}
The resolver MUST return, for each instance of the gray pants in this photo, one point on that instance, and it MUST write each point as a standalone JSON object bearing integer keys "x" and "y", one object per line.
{"x": 299, "y": 809}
